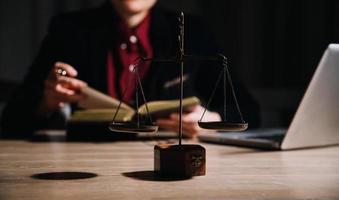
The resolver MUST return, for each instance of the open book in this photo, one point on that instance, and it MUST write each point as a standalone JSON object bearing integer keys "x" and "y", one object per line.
{"x": 99, "y": 107}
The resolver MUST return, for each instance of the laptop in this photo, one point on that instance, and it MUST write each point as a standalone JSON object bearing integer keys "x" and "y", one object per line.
{"x": 316, "y": 122}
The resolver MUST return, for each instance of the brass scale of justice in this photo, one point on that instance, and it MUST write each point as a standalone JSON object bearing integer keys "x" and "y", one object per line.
{"x": 181, "y": 160}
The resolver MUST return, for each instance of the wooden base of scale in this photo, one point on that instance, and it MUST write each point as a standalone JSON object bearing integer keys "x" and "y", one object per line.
{"x": 185, "y": 160}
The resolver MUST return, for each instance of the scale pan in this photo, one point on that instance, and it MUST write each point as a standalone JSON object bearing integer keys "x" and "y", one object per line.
{"x": 223, "y": 126}
{"x": 132, "y": 128}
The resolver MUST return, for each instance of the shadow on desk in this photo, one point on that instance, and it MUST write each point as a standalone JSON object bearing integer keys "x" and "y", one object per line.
{"x": 64, "y": 175}
{"x": 151, "y": 176}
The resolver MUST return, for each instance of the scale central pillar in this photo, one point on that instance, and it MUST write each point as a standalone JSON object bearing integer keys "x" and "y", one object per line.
{"x": 182, "y": 160}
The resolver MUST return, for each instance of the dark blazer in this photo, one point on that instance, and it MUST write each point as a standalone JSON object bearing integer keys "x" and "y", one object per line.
{"x": 83, "y": 38}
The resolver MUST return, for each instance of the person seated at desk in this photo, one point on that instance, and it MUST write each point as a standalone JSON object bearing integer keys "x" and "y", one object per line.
{"x": 96, "y": 47}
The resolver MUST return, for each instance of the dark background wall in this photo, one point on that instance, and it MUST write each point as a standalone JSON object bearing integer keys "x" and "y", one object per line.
{"x": 274, "y": 46}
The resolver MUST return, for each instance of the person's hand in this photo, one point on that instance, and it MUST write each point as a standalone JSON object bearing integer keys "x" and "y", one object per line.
{"x": 190, "y": 120}
{"x": 61, "y": 89}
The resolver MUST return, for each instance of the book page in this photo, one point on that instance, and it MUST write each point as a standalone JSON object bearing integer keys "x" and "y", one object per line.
{"x": 102, "y": 115}
{"x": 97, "y": 99}
{"x": 168, "y": 106}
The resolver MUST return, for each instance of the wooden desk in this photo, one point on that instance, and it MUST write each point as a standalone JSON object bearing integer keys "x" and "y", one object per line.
{"x": 123, "y": 170}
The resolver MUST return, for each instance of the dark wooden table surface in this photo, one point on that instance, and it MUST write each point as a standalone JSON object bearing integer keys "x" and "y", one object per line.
{"x": 124, "y": 170}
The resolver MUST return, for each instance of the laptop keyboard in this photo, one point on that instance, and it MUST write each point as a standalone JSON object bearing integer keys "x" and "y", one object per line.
{"x": 274, "y": 137}
{"x": 262, "y": 138}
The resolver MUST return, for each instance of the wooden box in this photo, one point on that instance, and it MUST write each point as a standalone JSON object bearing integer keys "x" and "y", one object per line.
{"x": 179, "y": 160}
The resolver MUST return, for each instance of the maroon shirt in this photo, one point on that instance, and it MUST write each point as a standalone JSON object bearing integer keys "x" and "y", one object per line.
{"x": 130, "y": 44}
